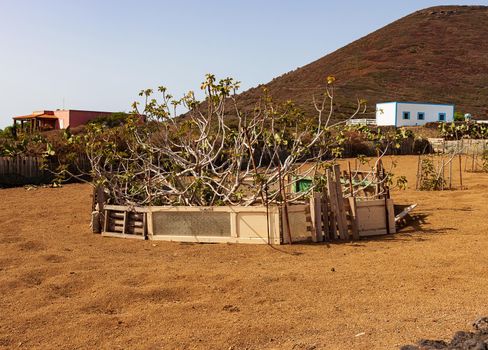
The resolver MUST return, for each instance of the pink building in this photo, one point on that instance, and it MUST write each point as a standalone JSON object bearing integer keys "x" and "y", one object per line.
{"x": 58, "y": 119}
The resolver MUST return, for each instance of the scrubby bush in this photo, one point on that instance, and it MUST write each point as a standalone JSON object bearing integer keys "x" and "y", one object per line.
{"x": 430, "y": 179}
{"x": 111, "y": 121}
{"x": 460, "y": 130}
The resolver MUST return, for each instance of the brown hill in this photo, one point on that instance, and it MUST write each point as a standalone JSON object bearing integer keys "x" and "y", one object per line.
{"x": 439, "y": 54}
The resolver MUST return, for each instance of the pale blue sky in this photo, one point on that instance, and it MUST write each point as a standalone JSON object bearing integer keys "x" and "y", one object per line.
{"x": 98, "y": 54}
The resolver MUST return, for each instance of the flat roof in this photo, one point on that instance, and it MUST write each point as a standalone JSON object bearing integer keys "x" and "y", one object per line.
{"x": 418, "y": 103}
{"x": 49, "y": 114}
{"x": 84, "y": 110}
{"x": 33, "y": 116}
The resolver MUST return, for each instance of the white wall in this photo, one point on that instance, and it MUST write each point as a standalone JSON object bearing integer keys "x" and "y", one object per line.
{"x": 431, "y": 113}
{"x": 385, "y": 113}
{"x": 392, "y": 113}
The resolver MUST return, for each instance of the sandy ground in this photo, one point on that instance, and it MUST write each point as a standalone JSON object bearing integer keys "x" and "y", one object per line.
{"x": 62, "y": 287}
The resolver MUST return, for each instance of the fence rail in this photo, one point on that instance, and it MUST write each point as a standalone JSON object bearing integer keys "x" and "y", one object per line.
{"x": 361, "y": 121}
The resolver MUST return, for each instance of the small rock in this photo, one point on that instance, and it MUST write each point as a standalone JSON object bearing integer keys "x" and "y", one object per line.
{"x": 481, "y": 324}
{"x": 432, "y": 344}
{"x": 231, "y": 308}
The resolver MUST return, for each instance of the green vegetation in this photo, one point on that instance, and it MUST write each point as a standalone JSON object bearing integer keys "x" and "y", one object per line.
{"x": 458, "y": 117}
{"x": 430, "y": 179}
{"x": 111, "y": 121}
{"x": 460, "y": 130}
{"x": 6, "y": 133}
{"x": 484, "y": 160}
{"x": 211, "y": 156}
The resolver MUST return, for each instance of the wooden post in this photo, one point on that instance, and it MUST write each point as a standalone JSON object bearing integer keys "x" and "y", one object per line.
{"x": 341, "y": 212}
{"x": 310, "y": 218}
{"x": 450, "y": 174}
{"x": 97, "y": 204}
{"x": 317, "y": 217}
{"x": 100, "y": 197}
{"x": 460, "y": 172}
{"x": 285, "y": 205}
{"x": 386, "y": 190}
{"x": 377, "y": 176}
{"x": 325, "y": 216}
{"x": 354, "y": 218}
{"x": 472, "y": 163}
{"x": 351, "y": 187}
{"x": 443, "y": 173}
{"x": 333, "y": 204}
{"x": 417, "y": 183}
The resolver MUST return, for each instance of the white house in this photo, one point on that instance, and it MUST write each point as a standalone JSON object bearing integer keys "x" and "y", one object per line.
{"x": 412, "y": 113}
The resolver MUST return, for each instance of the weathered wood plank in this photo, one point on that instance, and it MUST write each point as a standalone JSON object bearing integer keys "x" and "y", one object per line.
{"x": 124, "y": 224}
{"x": 325, "y": 216}
{"x": 331, "y": 188}
{"x": 353, "y": 218}
{"x": 341, "y": 212}
{"x": 318, "y": 217}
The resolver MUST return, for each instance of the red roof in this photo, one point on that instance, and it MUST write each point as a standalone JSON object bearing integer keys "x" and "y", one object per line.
{"x": 37, "y": 114}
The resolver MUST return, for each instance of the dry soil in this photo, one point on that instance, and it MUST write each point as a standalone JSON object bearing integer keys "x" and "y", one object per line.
{"x": 62, "y": 287}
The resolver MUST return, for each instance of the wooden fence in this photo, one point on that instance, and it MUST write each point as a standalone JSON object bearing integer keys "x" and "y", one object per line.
{"x": 16, "y": 171}
{"x": 22, "y": 166}
{"x": 22, "y": 170}
{"x": 332, "y": 217}
{"x": 329, "y": 216}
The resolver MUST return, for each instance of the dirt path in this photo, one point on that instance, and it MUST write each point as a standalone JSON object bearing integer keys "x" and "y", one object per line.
{"x": 63, "y": 287}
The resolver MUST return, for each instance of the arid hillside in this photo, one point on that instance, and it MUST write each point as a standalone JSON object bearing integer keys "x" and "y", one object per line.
{"x": 437, "y": 54}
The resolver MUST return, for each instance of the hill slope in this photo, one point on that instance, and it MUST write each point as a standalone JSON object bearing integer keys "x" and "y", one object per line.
{"x": 439, "y": 54}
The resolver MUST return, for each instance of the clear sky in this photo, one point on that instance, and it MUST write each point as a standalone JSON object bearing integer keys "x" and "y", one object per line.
{"x": 98, "y": 54}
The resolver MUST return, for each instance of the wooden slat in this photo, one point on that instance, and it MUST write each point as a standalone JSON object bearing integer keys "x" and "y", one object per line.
{"x": 144, "y": 226}
{"x": 353, "y": 218}
{"x": 331, "y": 188}
{"x": 309, "y": 215}
{"x": 325, "y": 215}
{"x": 310, "y": 218}
{"x": 286, "y": 236}
{"x": 341, "y": 212}
{"x": 139, "y": 231}
{"x": 370, "y": 203}
{"x": 106, "y": 221}
{"x": 124, "y": 225}
{"x": 318, "y": 217}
